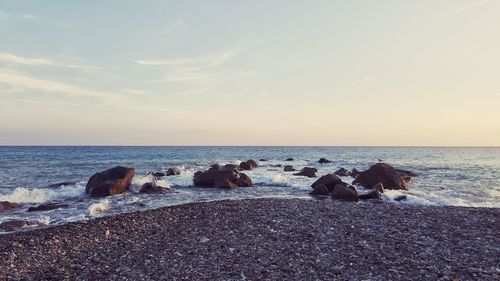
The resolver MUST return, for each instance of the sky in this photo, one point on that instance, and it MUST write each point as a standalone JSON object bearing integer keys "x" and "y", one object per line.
{"x": 353, "y": 72}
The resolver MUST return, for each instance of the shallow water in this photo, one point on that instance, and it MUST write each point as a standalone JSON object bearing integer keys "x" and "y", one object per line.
{"x": 447, "y": 176}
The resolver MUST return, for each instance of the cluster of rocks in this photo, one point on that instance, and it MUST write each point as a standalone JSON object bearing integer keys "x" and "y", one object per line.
{"x": 377, "y": 178}
{"x": 227, "y": 176}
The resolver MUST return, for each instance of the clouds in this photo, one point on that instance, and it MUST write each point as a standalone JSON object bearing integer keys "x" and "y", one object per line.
{"x": 192, "y": 63}
{"x": 8, "y": 58}
{"x": 457, "y": 11}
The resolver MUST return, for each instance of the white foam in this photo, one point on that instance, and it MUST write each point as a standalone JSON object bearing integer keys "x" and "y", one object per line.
{"x": 99, "y": 208}
{"x": 41, "y": 195}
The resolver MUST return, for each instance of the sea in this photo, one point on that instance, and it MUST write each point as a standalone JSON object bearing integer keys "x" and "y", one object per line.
{"x": 447, "y": 176}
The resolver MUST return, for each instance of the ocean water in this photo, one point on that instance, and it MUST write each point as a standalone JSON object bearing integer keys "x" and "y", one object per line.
{"x": 447, "y": 176}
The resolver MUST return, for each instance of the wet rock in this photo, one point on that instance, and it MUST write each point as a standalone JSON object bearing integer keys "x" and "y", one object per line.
{"x": 276, "y": 166}
{"x": 110, "y": 182}
{"x": 343, "y": 172}
{"x": 15, "y": 224}
{"x": 383, "y": 173}
{"x": 227, "y": 176}
{"x": 346, "y": 193}
{"x": 157, "y": 174}
{"x": 245, "y": 166}
{"x": 263, "y": 160}
{"x": 61, "y": 184}
{"x": 400, "y": 198}
{"x": 372, "y": 194}
{"x": 151, "y": 187}
{"x": 307, "y": 172}
{"x": 289, "y": 159}
{"x": 329, "y": 180}
{"x": 289, "y": 168}
{"x": 47, "y": 207}
{"x": 405, "y": 173}
{"x": 324, "y": 161}
{"x": 6, "y": 205}
{"x": 253, "y": 163}
{"x": 380, "y": 187}
{"x": 354, "y": 172}
{"x": 320, "y": 190}
{"x": 173, "y": 172}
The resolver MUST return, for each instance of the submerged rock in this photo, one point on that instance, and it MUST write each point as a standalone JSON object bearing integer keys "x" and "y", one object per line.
{"x": 343, "y": 172}
{"x": 157, "y": 174}
{"x": 47, "y": 207}
{"x": 61, "y": 184}
{"x": 307, "y": 172}
{"x": 15, "y": 224}
{"x": 400, "y": 198}
{"x": 289, "y": 159}
{"x": 405, "y": 173}
{"x": 289, "y": 168}
{"x": 346, "y": 193}
{"x": 329, "y": 180}
{"x": 152, "y": 187}
{"x": 320, "y": 190}
{"x": 383, "y": 173}
{"x": 324, "y": 161}
{"x": 110, "y": 182}
{"x": 173, "y": 172}
{"x": 227, "y": 176}
{"x": 6, "y": 205}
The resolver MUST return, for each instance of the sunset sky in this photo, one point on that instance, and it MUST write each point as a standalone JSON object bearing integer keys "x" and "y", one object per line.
{"x": 250, "y": 72}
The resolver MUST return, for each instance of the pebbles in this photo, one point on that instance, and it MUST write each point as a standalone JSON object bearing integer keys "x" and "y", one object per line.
{"x": 264, "y": 239}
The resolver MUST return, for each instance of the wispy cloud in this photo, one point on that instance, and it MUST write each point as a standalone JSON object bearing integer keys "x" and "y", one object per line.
{"x": 352, "y": 83}
{"x": 194, "y": 63}
{"x": 457, "y": 11}
{"x": 19, "y": 60}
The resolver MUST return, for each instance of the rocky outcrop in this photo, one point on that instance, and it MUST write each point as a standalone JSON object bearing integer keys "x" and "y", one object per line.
{"x": 307, "y": 172}
{"x": 380, "y": 187}
{"x": 324, "y": 161}
{"x": 345, "y": 193}
{"x": 320, "y": 190}
{"x": 110, "y": 182}
{"x": 248, "y": 165}
{"x": 6, "y": 205}
{"x": 381, "y": 173}
{"x": 222, "y": 177}
{"x": 47, "y": 207}
{"x": 173, "y": 172}
{"x": 289, "y": 168}
{"x": 329, "y": 180}
{"x": 343, "y": 172}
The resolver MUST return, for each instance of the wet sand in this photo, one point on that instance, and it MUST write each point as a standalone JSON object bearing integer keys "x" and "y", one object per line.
{"x": 264, "y": 239}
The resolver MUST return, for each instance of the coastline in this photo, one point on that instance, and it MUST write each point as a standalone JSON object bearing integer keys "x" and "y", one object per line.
{"x": 264, "y": 239}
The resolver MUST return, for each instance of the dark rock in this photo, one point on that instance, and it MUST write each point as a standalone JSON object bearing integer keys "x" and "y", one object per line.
{"x": 47, "y": 207}
{"x": 277, "y": 166}
{"x": 157, "y": 174}
{"x": 324, "y": 161}
{"x": 289, "y": 159}
{"x": 245, "y": 166}
{"x": 320, "y": 190}
{"x": 150, "y": 187}
{"x": 253, "y": 163}
{"x": 343, "y": 172}
{"x": 289, "y": 168}
{"x": 329, "y": 180}
{"x": 346, "y": 193}
{"x": 6, "y": 205}
{"x": 173, "y": 172}
{"x": 230, "y": 167}
{"x": 354, "y": 172}
{"x": 15, "y": 224}
{"x": 404, "y": 173}
{"x": 372, "y": 194}
{"x": 110, "y": 182}
{"x": 383, "y": 173}
{"x": 400, "y": 198}
{"x": 227, "y": 176}
{"x": 307, "y": 172}
{"x": 263, "y": 160}
{"x": 61, "y": 184}
{"x": 380, "y": 187}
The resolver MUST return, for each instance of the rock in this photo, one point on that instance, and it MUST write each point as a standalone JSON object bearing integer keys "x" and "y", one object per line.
{"x": 245, "y": 166}
{"x": 307, "y": 172}
{"x": 383, "y": 173}
{"x": 227, "y": 176}
{"x": 253, "y": 163}
{"x": 47, "y": 207}
{"x": 329, "y": 180}
{"x": 354, "y": 173}
{"x": 276, "y": 166}
{"x": 372, "y": 194}
{"x": 400, "y": 198}
{"x": 15, "y": 224}
{"x": 324, "y": 161}
{"x": 289, "y": 159}
{"x": 289, "y": 168}
{"x": 343, "y": 172}
{"x": 320, "y": 190}
{"x": 173, "y": 172}
{"x": 157, "y": 174}
{"x": 404, "y": 173}
{"x": 150, "y": 187}
{"x": 61, "y": 184}
{"x": 263, "y": 160}
{"x": 380, "y": 187}
{"x": 408, "y": 180}
{"x": 110, "y": 182}
{"x": 6, "y": 205}
{"x": 346, "y": 193}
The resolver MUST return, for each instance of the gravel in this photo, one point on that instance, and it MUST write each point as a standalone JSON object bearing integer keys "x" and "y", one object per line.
{"x": 264, "y": 239}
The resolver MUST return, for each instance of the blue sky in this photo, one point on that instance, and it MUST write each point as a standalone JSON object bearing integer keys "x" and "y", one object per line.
{"x": 250, "y": 72}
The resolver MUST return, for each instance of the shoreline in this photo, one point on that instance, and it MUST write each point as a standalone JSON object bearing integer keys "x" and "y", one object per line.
{"x": 264, "y": 239}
